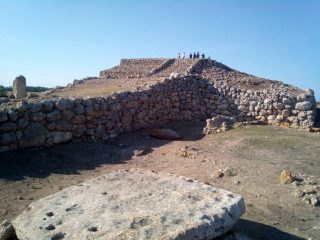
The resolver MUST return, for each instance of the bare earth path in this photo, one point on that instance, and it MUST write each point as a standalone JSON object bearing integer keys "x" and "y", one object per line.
{"x": 257, "y": 154}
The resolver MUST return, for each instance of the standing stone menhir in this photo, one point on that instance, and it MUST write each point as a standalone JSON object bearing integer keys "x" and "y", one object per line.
{"x": 19, "y": 87}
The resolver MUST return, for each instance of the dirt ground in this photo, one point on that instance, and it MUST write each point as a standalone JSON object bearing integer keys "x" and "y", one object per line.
{"x": 104, "y": 87}
{"x": 257, "y": 155}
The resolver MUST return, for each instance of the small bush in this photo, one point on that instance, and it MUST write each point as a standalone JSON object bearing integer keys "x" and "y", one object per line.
{"x": 3, "y": 91}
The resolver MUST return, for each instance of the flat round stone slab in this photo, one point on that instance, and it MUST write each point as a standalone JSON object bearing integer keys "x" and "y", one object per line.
{"x": 134, "y": 204}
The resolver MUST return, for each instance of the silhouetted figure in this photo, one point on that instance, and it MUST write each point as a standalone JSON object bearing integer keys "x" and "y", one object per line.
{"x": 190, "y": 56}
{"x": 179, "y": 55}
{"x": 198, "y": 55}
{"x": 183, "y": 55}
{"x": 202, "y": 56}
{"x": 194, "y": 55}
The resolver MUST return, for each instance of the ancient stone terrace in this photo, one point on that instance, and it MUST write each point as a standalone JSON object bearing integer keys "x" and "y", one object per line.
{"x": 150, "y": 67}
{"x": 133, "y": 68}
{"x": 207, "y": 68}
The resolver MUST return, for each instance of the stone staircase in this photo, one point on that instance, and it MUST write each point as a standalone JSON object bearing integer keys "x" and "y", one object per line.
{"x": 177, "y": 66}
{"x": 161, "y": 67}
{"x": 133, "y": 68}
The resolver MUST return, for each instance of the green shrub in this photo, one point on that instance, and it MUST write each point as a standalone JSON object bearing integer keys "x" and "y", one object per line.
{"x": 3, "y": 91}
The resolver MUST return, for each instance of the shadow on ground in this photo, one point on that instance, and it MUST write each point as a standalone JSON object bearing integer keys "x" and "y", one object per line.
{"x": 71, "y": 158}
{"x": 317, "y": 122}
{"x": 257, "y": 231}
{"x": 261, "y": 231}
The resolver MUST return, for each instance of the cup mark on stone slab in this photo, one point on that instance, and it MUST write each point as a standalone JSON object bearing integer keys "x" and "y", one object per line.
{"x": 59, "y": 222}
{"x": 71, "y": 208}
{"x": 58, "y": 236}
{"x": 139, "y": 222}
{"x": 50, "y": 214}
{"x": 93, "y": 229}
{"x": 50, "y": 227}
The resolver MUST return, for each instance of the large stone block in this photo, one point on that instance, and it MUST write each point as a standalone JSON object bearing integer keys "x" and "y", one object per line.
{"x": 3, "y": 116}
{"x": 33, "y": 136}
{"x": 59, "y": 137}
{"x": 135, "y": 204}
{"x": 304, "y": 106}
{"x": 7, "y": 138}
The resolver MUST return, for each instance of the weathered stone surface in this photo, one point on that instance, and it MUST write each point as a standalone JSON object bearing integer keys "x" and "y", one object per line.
{"x": 35, "y": 107}
{"x": 60, "y": 137}
{"x": 3, "y": 116}
{"x": 52, "y": 116}
{"x": 286, "y": 177}
{"x": 7, "y": 138}
{"x": 19, "y": 87}
{"x": 13, "y": 116}
{"x": 218, "y": 124}
{"x": 304, "y": 106}
{"x": 37, "y": 117}
{"x": 47, "y": 105}
{"x": 135, "y": 204}
{"x": 8, "y": 126}
{"x": 165, "y": 133}
{"x": 6, "y": 230}
{"x": 63, "y": 104}
{"x": 100, "y": 131}
{"x": 33, "y": 136}
{"x": 78, "y": 130}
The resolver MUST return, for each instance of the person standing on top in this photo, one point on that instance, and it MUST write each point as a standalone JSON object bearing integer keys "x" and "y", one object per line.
{"x": 198, "y": 55}
{"x": 179, "y": 55}
{"x": 202, "y": 56}
{"x": 194, "y": 55}
{"x": 183, "y": 55}
{"x": 190, "y": 56}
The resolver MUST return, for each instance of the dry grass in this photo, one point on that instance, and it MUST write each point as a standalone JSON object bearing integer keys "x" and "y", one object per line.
{"x": 104, "y": 87}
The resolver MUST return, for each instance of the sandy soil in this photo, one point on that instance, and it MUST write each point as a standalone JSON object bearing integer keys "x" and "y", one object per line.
{"x": 257, "y": 154}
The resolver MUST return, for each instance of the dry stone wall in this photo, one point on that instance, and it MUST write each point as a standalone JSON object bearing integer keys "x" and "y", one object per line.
{"x": 133, "y": 68}
{"x": 181, "y": 98}
{"x": 156, "y": 67}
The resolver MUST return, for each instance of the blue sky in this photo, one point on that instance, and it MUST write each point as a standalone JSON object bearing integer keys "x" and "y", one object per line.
{"x": 53, "y": 42}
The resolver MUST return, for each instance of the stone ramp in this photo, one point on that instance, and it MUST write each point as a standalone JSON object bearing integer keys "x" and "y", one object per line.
{"x": 134, "y": 204}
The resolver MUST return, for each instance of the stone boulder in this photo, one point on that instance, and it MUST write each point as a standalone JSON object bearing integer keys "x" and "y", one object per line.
{"x": 132, "y": 204}
{"x": 19, "y": 87}
{"x": 33, "y": 136}
{"x": 165, "y": 133}
{"x": 217, "y": 124}
{"x": 59, "y": 137}
{"x": 6, "y": 230}
{"x": 304, "y": 106}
